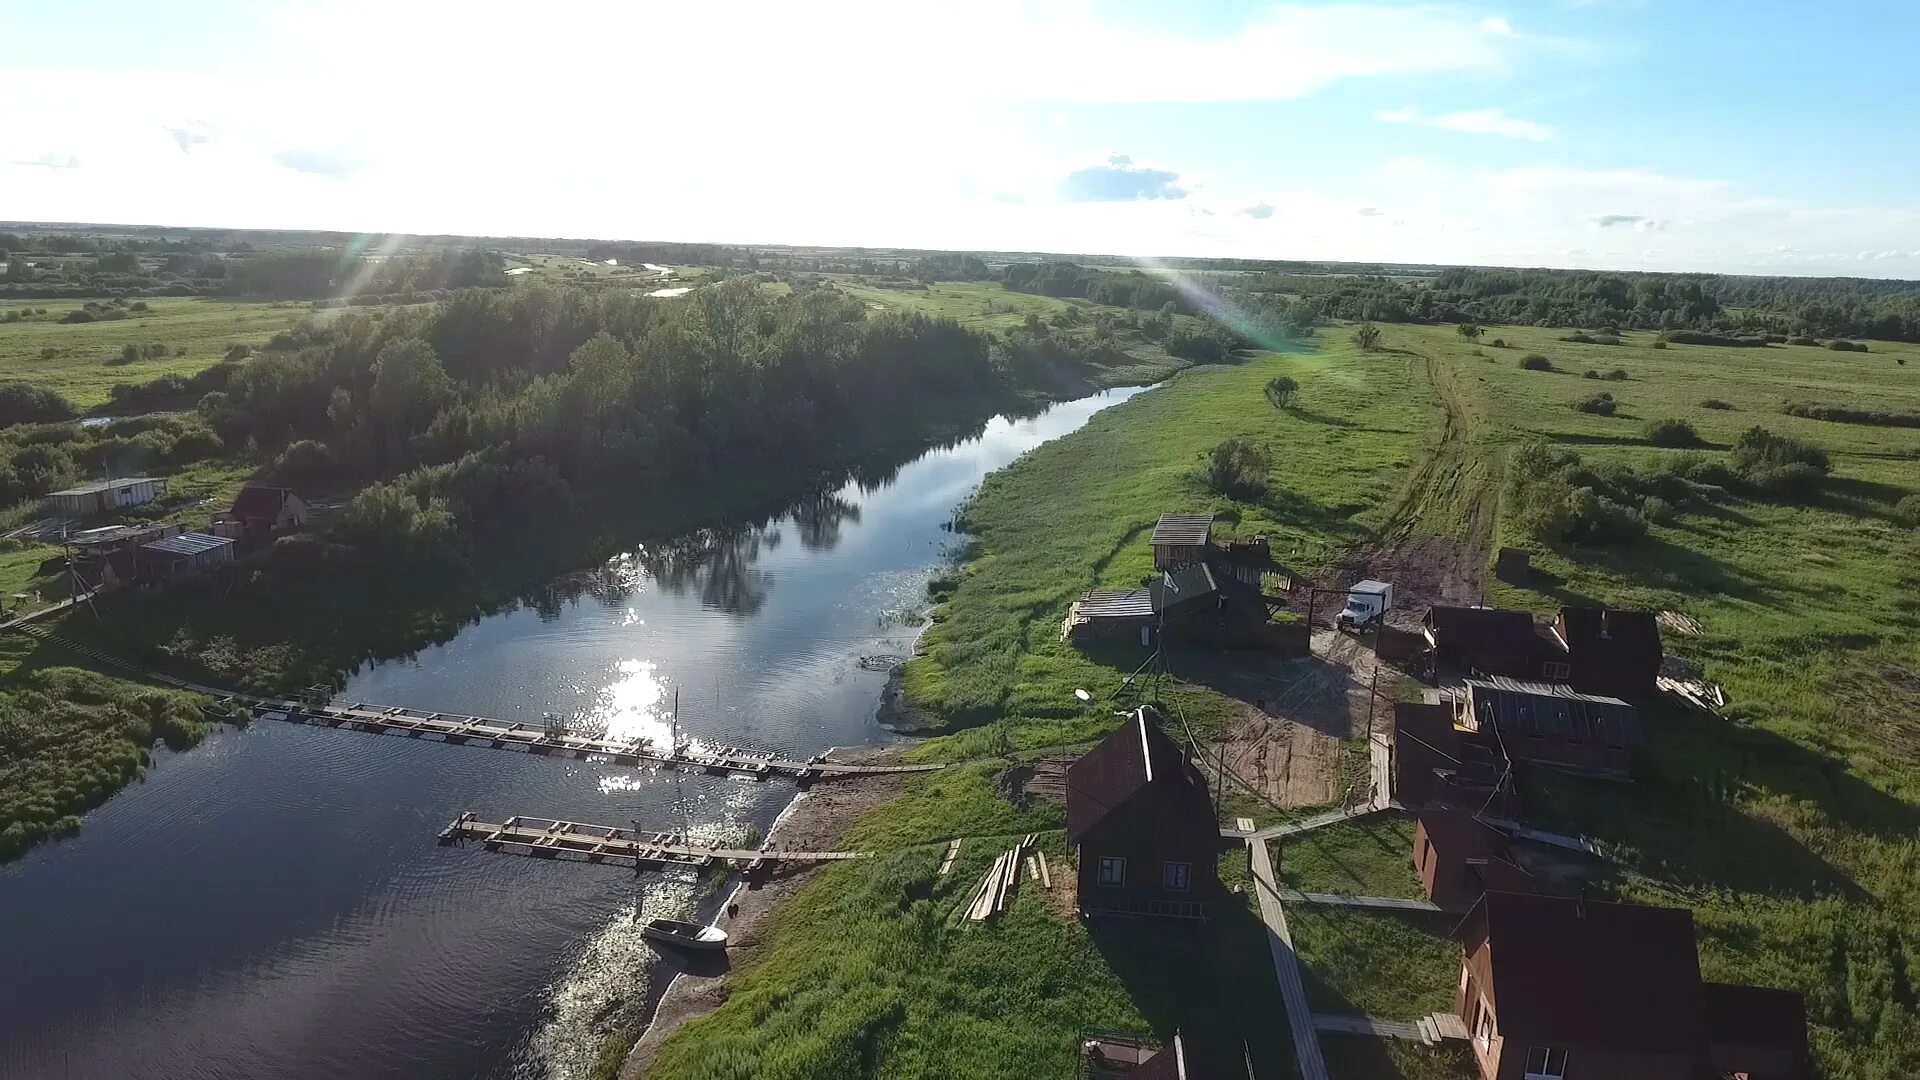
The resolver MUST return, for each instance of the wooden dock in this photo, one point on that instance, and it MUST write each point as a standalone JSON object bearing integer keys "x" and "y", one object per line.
{"x": 548, "y": 737}
{"x": 550, "y": 838}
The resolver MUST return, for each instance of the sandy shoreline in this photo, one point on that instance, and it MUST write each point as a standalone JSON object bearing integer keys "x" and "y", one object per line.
{"x": 817, "y": 820}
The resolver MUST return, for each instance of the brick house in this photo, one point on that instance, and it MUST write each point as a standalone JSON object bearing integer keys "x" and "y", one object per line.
{"x": 1142, "y": 825}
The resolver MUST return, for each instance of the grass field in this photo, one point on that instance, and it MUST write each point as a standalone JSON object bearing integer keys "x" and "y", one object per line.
{"x": 82, "y": 361}
{"x": 1789, "y": 827}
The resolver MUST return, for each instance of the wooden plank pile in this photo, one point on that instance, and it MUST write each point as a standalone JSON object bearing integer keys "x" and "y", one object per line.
{"x": 1702, "y": 695}
{"x": 946, "y": 863}
{"x": 995, "y": 891}
{"x": 1684, "y": 625}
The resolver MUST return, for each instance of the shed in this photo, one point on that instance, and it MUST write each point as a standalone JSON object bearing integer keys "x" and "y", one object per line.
{"x": 1181, "y": 539}
{"x": 1484, "y": 641}
{"x": 1187, "y": 591}
{"x": 1110, "y": 613}
{"x": 1554, "y": 725}
{"x": 1458, "y": 858}
{"x": 1611, "y": 652}
{"x": 1561, "y": 987}
{"x": 98, "y": 498}
{"x": 186, "y": 553}
{"x": 1142, "y": 825}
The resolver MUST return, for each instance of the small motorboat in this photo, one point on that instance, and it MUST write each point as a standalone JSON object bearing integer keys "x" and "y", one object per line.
{"x": 686, "y": 935}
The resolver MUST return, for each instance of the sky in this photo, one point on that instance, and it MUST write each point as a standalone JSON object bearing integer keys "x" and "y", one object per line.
{"x": 1742, "y": 136}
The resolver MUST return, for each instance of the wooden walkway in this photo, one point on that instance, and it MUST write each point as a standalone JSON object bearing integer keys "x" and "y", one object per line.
{"x": 1308, "y": 824}
{"x": 1429, "y": 1030}
{"x": 1286, "y": 966}
{"x": 544, "y": 738}
{"x": 1377, "y": 903}
{"x": 549, "y": 838}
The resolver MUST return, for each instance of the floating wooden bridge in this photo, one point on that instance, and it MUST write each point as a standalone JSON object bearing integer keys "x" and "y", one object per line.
{"x": 552, "y": 736}
{"x": 549, "y": 838}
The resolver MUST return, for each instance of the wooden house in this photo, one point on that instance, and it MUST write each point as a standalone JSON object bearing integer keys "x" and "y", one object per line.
{"x": 1486, "y": 641}
{"x": 1617, "y": 653}
{"x": 1142, "y": 825}
{"x": 1562, "y": 989}
{"x": 1181, "y": 540}
{"x": 106, "y": 495}
{"x": 1754, "y": 1033}
{"x": 1458, "y": 858}
{"x": 1550, "y": 724}
{"x": 261, "y": 513}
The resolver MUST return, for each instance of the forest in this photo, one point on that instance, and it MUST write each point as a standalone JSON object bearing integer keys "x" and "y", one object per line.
{"x": 1812, "y": 307}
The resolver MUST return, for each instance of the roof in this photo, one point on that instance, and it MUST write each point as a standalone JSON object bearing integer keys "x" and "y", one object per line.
{"x": 1183, "y": 530}
{"x": 1180, "y": 587}
{"x": 1134, "y": 757}
{"x": 107, "y": 485}
{"x": 1576, "y": 972}
{"x": 1626, "y": 641}
{"x": 260, "y": 502}
{"x": 1171, "y": 1062}
{"x": 192, "y": 543}
{"x": 1756, "y": 1016}
{"x": 1497, "y": 635}
{"x": 1534, "y": 708}
{"x": 1369, "y": 587}
{"x": 1457, "y": 835}
{"x": 1115, "y": 604}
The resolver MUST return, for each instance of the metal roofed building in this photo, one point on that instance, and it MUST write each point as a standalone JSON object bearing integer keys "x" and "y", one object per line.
{"x": 1551, "y": 724}
{"x": 186, "y": 553}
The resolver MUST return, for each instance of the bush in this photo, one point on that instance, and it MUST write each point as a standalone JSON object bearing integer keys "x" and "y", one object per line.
{"x": 1499, "y": 343}
{"x": 1702, "y": 337}
{"x": 1779, "y": 465}
{"x": 1716, "y": 403}
{"x": 1367, "y": 336}
{"x": 1847, "y": 346}
{"x": 77, "y": 316}
{"x": 1659, "y": 344}
{"x": 1237, "y": 468}
{"x": 1843, "y": 414}
{"x": 1597, "y": 405}
{"x": 308, "y": 465}
{"x": 1658, "y": 510}
{"x": 1671, "y": 433}
{"x": 1590, "y": 373}
{"x": 25, "y": 403}
{"x": 1908, "y": 511}
{"x": 1283, "y": 392}
{"x": 1803, "y": 340}
{"x": 1618, "y": 375}
{"x": 1536, "y": 362}
{"x": 1584, "y": 338}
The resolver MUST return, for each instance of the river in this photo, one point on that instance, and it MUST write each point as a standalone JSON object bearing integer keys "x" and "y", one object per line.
{"x": 271, "y": 904}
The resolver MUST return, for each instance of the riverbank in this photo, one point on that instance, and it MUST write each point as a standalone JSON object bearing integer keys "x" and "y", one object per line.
{"x": 816, "y": 821}
{"x": 866, "y": 970}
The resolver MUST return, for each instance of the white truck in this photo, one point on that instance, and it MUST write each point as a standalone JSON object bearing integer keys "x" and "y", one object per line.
{"x": 1367, "y": 603}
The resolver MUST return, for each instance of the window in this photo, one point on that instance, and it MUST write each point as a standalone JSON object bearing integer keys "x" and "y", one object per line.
{"x": 1556, "y": 669}
{"x": 1113, "y": 872}
{"x": 1482, "y": 1024}
{"x": 1174, "y": 878}
{"x": 1546, "y": 1064}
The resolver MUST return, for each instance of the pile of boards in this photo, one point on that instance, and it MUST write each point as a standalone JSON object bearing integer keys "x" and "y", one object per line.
{"x": 995, "y": 891}
{"x": 1705, "y": 696}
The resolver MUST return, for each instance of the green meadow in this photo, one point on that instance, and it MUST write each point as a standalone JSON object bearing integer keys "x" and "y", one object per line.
{"x": 83, "y": 360}
{"x": 1788, "y": 825}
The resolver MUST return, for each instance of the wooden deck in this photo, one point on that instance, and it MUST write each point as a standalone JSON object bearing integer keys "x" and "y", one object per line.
{"x": 543, "y": 738}
{"x": 550, "y": 838}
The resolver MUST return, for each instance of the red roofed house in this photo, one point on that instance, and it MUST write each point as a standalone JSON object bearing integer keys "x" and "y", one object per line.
{"x": 1560, "y": 989}
{"x": 1458, "y": 858}
{"x": 1142, "y": 825}
{"x": 261, "y": 513}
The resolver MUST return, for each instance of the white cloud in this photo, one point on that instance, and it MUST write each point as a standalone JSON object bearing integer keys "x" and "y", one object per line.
{"x": 1258, "y": 211}
{"x": 1493, "y": 121}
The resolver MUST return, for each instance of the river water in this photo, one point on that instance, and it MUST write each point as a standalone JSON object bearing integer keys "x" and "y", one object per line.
{"x": 271, "y": 904}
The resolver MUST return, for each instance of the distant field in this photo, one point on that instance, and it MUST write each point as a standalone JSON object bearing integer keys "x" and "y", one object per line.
{"x": 82, "y": 361}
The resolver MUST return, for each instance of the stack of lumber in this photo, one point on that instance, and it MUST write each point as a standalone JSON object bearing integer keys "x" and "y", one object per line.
{"x": 1678, "y": 623}
{"x": 995, "y": 891}
{"x": 1705, "y": 696}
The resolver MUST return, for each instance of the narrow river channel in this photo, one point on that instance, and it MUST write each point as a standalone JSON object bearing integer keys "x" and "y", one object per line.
{"x": 272, "y": 904}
